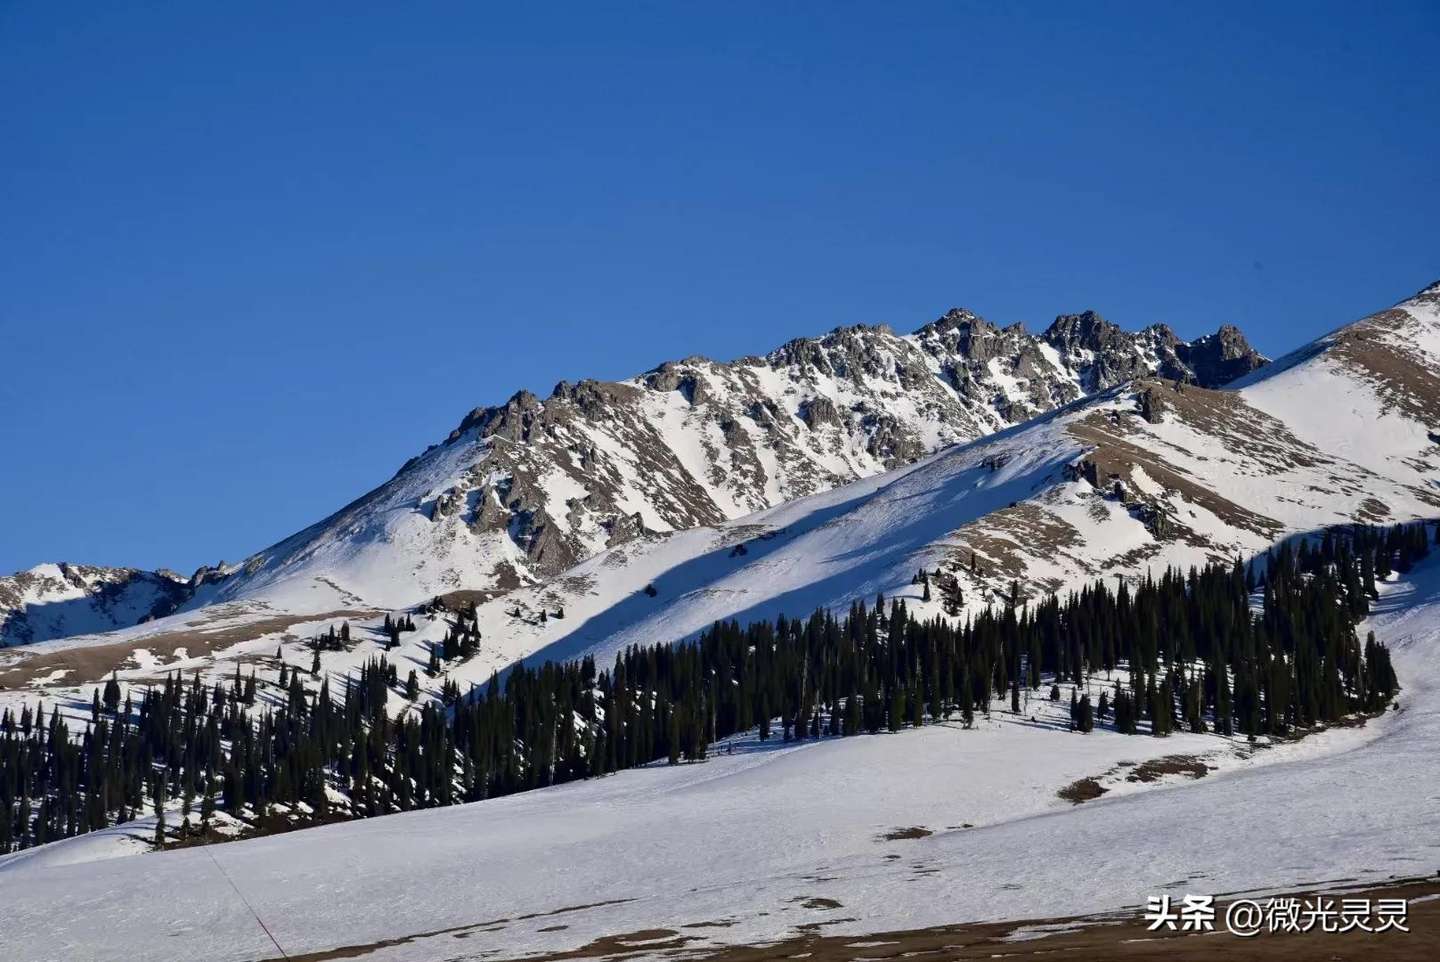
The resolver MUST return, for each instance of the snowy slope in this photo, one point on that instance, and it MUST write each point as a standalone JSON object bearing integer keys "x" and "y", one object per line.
{"x": 751, "y": 845}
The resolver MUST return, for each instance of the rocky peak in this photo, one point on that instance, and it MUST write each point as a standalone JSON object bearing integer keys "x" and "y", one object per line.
{"x": 1162, "y": 336}
{"x": 1219, "y": 358}
{"x": 511, "y": 420}
{"x": 1087, "y": 331}
{"x": 953, "y": 319}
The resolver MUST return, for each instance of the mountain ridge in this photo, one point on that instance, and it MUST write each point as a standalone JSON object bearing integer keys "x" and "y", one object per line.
{"x": 729, "y": 438}
{"x": 1144, "y": 476}
{"x": 544, "y": 483}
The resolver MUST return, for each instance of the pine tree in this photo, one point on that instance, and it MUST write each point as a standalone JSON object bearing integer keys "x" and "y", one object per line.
{"x": 207, "y": 802}
{"x": 112, "y": 694}
{"x": 1223, "y": 722}
{"x": 157, "y": 793}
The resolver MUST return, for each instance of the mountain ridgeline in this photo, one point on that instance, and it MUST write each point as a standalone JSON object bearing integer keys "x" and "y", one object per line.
{"x": 523, "y": 491}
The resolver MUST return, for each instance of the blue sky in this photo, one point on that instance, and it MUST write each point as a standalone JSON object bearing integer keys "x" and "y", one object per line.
{"x": 253, "y": 259}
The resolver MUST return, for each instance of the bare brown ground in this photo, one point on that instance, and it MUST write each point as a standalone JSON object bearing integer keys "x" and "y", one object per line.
{"x": 463, "y": 598}
{"x": 1120, "y": 936}
{"x": 996, "y": 536}
{"x": 1114, "y": 455}
{"x": 1400, "y": 380}
{"x": 1082, "y": 791}
{"x": 93, "y": 663}
{"x": 1157, "y": 768}
{"x": 464, "y": 931}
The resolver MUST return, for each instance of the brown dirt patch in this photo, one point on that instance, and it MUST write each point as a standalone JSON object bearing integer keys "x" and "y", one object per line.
{"x": 1122, "y": 936}
{"x": 93, "y": 663}
{"x": 1158, "y": 768}
{"x": 1082, "y": 791}
{"x": 462, "y": 599}
{"x": 816, "y": 902}
{"x": 901, "y": 834}
{"x": 612, "y": 944}
{"x": 1002, "y": 537}
{"x": 1115, "y": 455}
{"x": 1367, "y": 348}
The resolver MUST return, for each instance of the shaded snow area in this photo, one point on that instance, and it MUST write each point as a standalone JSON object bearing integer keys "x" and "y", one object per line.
{"x": 763, "y": 838}
{"x": 59, "y": 600}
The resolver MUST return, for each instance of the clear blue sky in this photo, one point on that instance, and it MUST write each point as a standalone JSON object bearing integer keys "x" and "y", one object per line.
{"x": 253, "y": 259}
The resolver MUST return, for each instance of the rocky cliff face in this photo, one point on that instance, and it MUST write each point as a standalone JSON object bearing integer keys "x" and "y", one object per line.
{"x": 525, "y": 489}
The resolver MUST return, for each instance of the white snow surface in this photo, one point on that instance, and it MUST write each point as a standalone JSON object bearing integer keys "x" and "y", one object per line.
{"x": 747, "y": 837}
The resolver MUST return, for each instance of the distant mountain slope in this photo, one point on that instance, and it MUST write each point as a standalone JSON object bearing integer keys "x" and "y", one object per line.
{"x": 1140, "y": 476}
{"x": 55, "y": 600}
{"x": 525, "y": 490}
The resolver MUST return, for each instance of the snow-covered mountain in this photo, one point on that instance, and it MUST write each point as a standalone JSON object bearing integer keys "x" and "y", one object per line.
{"x": 525, "y": 490}
{"x": 1140, "y": 476}
{"x": 1143, "y": 476}
{"x": 55, "y": 600}
{"x": 522, "y": 491}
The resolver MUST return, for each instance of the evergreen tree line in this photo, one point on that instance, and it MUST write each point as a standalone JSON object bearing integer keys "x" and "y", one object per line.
{"x": 1194, "y": 650}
